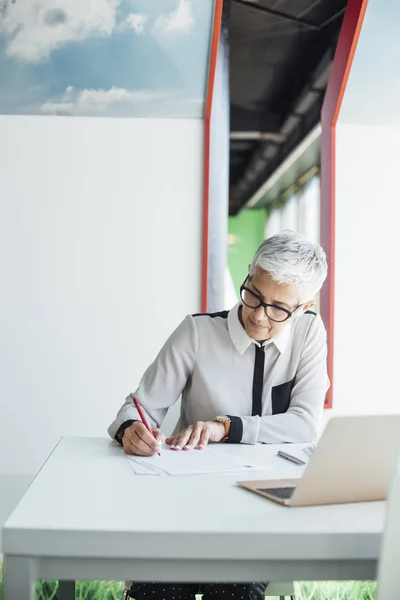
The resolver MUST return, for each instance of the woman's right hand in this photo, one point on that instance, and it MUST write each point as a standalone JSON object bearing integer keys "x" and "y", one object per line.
{"x": 139, "y": 442}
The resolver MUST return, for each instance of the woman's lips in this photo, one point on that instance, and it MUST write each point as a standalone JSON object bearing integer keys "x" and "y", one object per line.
{"x": 256, "y": 326}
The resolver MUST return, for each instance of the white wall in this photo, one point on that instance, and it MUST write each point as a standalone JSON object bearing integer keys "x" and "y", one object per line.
{"x": 100, "y": 251}
{"x": 367, "y": 284}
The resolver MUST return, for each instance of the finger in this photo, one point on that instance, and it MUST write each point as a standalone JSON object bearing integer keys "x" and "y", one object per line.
{"x": 157, "y": 434}
{"x": 138, "y": 430}
{"x": 127, "y": 446}
{"x": 171, "y": 441}
{"x": 194, "y": 438}
{"x": 183, "y": 438}
{"x": 136, "y": 450}
{"x": 139, "y": 452}
{"x": 204, "y": 438}
{"x": 145, "y": 438}
{"x": 133, "y": 444}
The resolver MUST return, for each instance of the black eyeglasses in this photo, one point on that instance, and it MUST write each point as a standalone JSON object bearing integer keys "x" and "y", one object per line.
{"x": 273, "y": 312}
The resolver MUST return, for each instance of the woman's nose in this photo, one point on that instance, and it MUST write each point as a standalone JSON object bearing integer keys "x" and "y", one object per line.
{"x": 259, "y": 313}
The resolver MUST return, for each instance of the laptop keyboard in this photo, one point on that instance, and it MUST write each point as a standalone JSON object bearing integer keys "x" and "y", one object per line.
{"x": 285, "y": 493}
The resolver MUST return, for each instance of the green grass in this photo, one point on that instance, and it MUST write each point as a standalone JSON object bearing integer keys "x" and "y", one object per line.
{"x": 336, "y": 590}
{"x": 85, "y": 590}
{"x": 307, "y": 590}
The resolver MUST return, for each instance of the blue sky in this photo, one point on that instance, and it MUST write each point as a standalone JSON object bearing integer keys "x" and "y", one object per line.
{"x": 104, "y": 57}
{"x": 372, "y": 95}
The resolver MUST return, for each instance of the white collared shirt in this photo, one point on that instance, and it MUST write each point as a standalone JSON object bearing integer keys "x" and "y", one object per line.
{"x": 273, "y": 392}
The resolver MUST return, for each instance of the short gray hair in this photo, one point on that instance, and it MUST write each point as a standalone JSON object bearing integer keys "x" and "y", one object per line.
{"x": 290, "y": 258}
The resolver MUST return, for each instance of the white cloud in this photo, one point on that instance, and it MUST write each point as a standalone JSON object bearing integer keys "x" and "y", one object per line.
{"x": 136, "y": 22}
{"x": 34, "y": 28}
{"x": 112, "y": 102}
{"x": 179, "y": 21}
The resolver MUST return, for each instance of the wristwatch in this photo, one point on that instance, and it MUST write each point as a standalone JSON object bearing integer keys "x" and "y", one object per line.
{"x": 227, "y": 424}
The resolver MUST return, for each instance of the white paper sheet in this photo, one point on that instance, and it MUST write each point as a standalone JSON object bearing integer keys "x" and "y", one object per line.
{"x": 192, "y": 462}
{"x": 140, "y": 469}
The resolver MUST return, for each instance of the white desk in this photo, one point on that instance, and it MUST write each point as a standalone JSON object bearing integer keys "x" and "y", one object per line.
{"x": 87, "y": 516}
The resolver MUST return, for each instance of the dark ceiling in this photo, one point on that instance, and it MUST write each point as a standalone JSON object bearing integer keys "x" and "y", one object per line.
{"x": 281, "y": 52}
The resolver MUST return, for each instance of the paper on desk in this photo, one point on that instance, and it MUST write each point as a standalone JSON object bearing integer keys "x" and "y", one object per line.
{"x": 142, "y": 469}
{"x": 192, "y": 462}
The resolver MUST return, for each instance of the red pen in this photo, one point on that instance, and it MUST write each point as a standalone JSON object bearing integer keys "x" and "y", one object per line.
{"x": 143, "y": 418}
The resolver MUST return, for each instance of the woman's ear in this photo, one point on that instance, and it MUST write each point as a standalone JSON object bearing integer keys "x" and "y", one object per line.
{"x": 303, "y": 308}
{"x": 308, "y": 305}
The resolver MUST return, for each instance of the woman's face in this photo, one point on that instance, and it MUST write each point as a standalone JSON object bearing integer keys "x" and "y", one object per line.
{"x": 283, "y": 295}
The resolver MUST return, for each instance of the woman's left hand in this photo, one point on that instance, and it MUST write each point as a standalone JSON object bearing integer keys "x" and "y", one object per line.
{"x": 197, "y": 436}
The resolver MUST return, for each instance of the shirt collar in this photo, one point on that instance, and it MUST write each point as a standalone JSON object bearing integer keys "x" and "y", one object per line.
{"x": 242, "y": 341}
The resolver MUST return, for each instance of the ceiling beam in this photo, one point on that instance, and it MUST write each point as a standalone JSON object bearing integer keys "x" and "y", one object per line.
{"x": 279, "y": 15}
{"x": 257, "y": 136}
{"x": 254, "y": 120}
{"x": 288, "y": 162}
{"x": 295, "y": 127}
{"x": 286, "y": 17}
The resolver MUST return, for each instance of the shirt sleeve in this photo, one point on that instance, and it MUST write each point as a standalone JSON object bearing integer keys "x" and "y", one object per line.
{"x": 164, "y": 380}
{"x": 302, "y": 420}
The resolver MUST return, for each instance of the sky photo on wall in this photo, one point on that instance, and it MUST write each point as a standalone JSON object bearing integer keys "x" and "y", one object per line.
{"x": 115, "y": 58}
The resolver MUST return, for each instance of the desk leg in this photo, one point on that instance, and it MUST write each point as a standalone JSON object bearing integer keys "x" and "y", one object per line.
{"x": 66, "y": 590}
{"x": 19, "y": 578}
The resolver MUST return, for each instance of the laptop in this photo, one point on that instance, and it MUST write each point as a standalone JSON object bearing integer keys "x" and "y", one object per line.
{"x": 353, "y": 462}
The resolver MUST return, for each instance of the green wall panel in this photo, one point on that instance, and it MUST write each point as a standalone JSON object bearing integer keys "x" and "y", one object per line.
{"x": 246, "y": 232}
